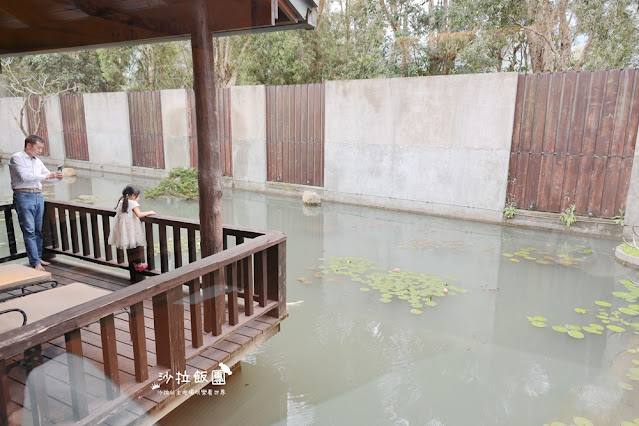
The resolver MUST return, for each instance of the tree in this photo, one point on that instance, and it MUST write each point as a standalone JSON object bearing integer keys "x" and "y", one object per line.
{"x": 21, "y": 79}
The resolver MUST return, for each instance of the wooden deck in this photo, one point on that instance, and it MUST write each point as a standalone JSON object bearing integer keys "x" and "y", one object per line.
{"x": 143, "y": 405}
{"x": 100, "y": 362}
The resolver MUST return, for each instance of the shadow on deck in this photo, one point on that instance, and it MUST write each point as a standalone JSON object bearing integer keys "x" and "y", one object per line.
{"x": 101, "y": 361}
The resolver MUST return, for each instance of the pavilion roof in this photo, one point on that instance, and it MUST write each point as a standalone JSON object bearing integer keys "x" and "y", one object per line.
{"x": 38, "y": 26}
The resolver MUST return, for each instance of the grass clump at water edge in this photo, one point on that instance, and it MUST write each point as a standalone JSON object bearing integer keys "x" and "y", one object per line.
{"x": 632, "y": 251}
{"x": 181, "y": 183}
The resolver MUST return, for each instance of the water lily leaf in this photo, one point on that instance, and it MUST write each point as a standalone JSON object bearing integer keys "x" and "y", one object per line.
{"x": 430, "y": 303}
{"x": 384, "y": 300}
{"x": 514, "y": 260}
{"x": 575, "y": 334}
{"x": 539, "y": 324}
{"x": 365, "y": 289}
{"x": 625, "y": 423}
{"x": 581, "y": 310}
{"x": 635, "y": 307}
{"x": 602, "y": 303}
{"x": 417, "y": 305}
{"x": 592, "y": 330}
{"x": 628, "y": 311}
{"x": 626, "y": 386}
{"x": 558, "y": 424}
{"x": 573, "y": 327}
{"x": 538, "y": 318}
{"x": 415, "y": 311}
{"x": 635, "y": 361}
{"x": 560, "y": 329}
{"x": 627, "y": 283}
{"x": 581, "y": 421}
{"x": 507, "y": 254}
{"x": 596, "y": 327}
{"x": 616, "y": 328}
{"x": 605, "y": 321}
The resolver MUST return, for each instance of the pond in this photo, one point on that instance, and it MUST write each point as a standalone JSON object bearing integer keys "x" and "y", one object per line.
{"x": 398, "y": 318}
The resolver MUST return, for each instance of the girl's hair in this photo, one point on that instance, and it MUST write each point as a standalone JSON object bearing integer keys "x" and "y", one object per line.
{"x": 128, "y": 190}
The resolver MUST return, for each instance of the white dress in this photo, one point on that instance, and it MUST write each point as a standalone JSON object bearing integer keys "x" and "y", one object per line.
{"x": 127, "y": 231}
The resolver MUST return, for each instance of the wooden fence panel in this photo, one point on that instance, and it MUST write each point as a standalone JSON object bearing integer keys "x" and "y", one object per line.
{"x": 223, "y": 130}
{"x": 574, "y": 137}
{"x": 74, "y": 127}
{"x": 295, "y": 134}
{"x": 147, "y": 139}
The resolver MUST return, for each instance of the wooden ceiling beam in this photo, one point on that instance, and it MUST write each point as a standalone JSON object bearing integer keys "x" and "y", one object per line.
{"x": 108, "y": 25}
{"x": 288, "y": 11}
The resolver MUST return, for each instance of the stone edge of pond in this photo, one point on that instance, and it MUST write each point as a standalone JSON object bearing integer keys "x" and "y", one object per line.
{"x": 592, "y": 227}
{"x": 626, "y": 258}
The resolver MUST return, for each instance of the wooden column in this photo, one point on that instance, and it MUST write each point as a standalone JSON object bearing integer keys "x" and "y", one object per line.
{"x": 168, "y": 320}
{"x": 208, "y": 144}
{"x": 208, "y": 151}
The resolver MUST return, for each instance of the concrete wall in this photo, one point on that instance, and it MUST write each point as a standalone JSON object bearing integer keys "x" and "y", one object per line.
{"x": 11, "y": 137}
{"x": 432, "y": 144}
{"x": 54, "y": 130}
{"x": 175, "y": 128}
{"x": 248, "y": 129}
{"x": 107, "y": 124}
{"x": 632, "y": 202}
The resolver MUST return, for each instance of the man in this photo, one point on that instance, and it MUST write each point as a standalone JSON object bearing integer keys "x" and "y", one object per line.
{"x": 27, "y": 173}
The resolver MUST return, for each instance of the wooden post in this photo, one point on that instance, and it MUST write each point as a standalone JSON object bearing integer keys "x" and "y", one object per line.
{"x": 208, "y": 144}
{"x": 138, "y": 337}
{"x": 276, "y": 287}
{"x": 168, "y": 319}
{"x": 5, "y": 398}
{"x": 37, "y": 385}
{"x": 75, "y": 363}
{"x": 110, "y": 357}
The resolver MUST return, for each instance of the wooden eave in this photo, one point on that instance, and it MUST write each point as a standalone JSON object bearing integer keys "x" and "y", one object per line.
{"x": 38, "y": 26}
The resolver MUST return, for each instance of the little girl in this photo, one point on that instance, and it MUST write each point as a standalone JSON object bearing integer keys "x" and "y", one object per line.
{"x": 127, "y": 231}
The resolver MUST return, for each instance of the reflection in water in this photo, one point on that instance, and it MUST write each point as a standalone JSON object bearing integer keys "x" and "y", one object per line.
{"x": 343, "y": 357}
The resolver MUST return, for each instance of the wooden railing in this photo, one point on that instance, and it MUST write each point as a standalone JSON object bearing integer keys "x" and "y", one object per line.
{"x": 254, "y": 269}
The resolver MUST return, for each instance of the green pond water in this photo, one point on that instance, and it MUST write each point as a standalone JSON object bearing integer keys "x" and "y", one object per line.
{"x": 399, "y": 318}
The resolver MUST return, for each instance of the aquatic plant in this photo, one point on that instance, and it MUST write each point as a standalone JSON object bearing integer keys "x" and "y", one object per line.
{"x": 509, "y": 210}
{"x": 417, "y": 289}
{"x": 181, "y": 183}
{"x": 542, "y": 257}
{"x": 568, "y": 216}
{"x": 620, "y": 219}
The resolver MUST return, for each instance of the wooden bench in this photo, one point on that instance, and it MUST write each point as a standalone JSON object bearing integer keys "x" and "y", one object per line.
{"x": 13, "y": 277}
{"x": 36, "y": 306}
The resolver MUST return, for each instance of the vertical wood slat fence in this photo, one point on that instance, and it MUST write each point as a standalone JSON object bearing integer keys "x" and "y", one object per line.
{"x": 147, "y": 139}
{"x": 74, "y": 127}
{"x": 37, "y": 122}
{"x": 574, "y": 136}
{"x": 295, "y": 134}
{"x": 223, "y": 130}
{"x": 253, "y": 269}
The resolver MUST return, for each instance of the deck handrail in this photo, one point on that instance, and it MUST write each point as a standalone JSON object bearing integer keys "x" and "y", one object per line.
{"x": 21, "y": 339}
{"x": 253, "y": 269}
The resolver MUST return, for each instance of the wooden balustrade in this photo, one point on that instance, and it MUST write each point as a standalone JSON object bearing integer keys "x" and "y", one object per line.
{"x": 253, "y": 269}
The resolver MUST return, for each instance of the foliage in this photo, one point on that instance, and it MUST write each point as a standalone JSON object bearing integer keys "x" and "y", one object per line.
{"x": 630, "y": 250}
{"x": 620, "y": 219}
{"x": 509, "y": 210}
{"x": 568, "y": 216}
{"x": 181, "y": 182}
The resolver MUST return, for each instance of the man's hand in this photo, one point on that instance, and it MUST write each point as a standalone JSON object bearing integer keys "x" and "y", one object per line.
{"x": 55, "y": 175}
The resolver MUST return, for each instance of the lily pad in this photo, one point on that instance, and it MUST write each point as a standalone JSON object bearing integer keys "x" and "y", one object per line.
{"x": 592, "y": 330}
{"x": 602, "y": 303}
{"x": 560, "y": 329}
{"x": 626, "y": 386}
{"x": 581, "y": 310}
{"x": 616, "y": 328}
{"x": 596, "y": 327}
{"x": 540, "y": 324}
{"x": 581, "y": 421}
{"x": 576, "y": 334}
{"x": 365, "y": 289}
{"x": 415, "y": 311}
{"x": 628, "y": 311}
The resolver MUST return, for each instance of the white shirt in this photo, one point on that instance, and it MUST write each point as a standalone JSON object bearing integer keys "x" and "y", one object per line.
{"x": 27, "y": 172}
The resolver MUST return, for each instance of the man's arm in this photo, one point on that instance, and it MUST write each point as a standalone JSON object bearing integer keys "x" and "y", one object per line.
{"x": 50, "y": 176}
{"x": 25, "y": 171}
